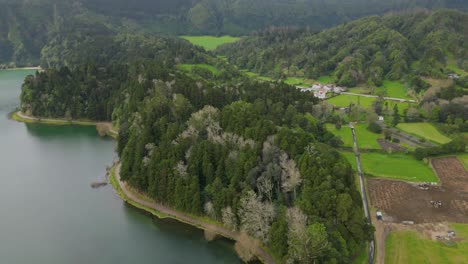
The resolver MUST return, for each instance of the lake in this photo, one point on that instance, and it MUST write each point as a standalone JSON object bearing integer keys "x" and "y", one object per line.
{"x": 50, "y": 214}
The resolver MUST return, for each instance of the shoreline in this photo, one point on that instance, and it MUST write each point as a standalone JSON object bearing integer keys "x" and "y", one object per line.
{"x": 142, "y": 202}
{"x": 147, "y": 204}
{"x": 23, "y": 118}
{"x": 23, "y": 68}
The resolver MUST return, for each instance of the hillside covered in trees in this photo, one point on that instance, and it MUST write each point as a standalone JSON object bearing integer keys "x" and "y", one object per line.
{"x": 26, "y": 26}
{"x": 367, "y": 50}
{"x": 246, "y": 154}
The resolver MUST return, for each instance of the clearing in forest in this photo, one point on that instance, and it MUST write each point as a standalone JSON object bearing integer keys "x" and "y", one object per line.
{"x": 210, "y": 42}
{"x": 190, "y": 67}
{"x": 394, "y": 89}
{"x": 424, "y": 130}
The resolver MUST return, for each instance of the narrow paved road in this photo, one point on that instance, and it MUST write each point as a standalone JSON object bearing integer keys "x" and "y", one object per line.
{"x": 363, "y": 194}
{"x": 257, "y": 250}
{"x": 385, "y": 98}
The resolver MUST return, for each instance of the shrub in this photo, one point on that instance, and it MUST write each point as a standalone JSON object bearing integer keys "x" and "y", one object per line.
{"x": 374, "y": 127}
{"x": 395, "y": 140}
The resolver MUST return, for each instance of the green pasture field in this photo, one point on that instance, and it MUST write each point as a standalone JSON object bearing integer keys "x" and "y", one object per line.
{"x": 365, "y": 138}
{"x": 411, "y": 247}
{"x": 210, "y": 42}
{"x": 394, "y": 166}
{"x": 424, "y": 130}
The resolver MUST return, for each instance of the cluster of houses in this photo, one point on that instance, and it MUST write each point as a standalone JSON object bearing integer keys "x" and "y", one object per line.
{"x": 320, "y": 90}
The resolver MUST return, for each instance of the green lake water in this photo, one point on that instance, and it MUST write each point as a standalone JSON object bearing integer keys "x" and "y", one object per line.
{"x": 49, "y": 213}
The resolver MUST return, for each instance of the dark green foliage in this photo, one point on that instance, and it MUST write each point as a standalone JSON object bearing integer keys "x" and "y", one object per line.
{"x": 396, "y": 116}
{"x": 419, "y": 84}
{"x": 26, "y": 27}
{"x": 454, "y": 146}
{"x": 463, "y": 81}
{"x": 367, "y": 50}
{"x": 203, "y": 160}
{"x": 374, "y": 127}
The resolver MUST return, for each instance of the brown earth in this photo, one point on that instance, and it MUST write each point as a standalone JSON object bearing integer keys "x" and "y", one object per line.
{"x": 401, "y": 201}
{"x": 386, "y": 145}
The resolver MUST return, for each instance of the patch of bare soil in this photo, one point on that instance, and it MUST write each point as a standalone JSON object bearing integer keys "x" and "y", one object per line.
{"x": 390, "y": 146}
{"x": 402, "y": 201}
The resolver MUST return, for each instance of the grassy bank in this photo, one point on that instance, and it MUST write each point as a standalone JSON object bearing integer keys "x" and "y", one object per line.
{"x": 123, "y": 196}
{"x": 50, "y": 121}
{"x": 157, "y": 213}
{"x": 424, "y": 130}
{"x": 464, "y": 160}
{"x": 60, "y": 122}
{"x": 410, "y": 247}
{"x": 394, "y": 166}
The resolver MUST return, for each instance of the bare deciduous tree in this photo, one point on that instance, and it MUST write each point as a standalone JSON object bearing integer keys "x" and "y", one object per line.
{"x": 255, "y": 216}
{"x": 265, "y": 187}
{"x": 229, "y": 219}
{"x": 290, "y": 176}
{"x": 306, "y": 242}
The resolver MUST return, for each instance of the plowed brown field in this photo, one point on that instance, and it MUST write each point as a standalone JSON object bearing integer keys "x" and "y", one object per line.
{"x": 401, "y": 201}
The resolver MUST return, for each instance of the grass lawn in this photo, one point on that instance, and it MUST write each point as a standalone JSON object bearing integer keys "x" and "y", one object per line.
{"x": 299, "y": 81}
{"x": 464, "y": 159}
{"x": 410, "y": 247}
{"x": 210, "y": 42}
{"x": 360, "y": 90}
{"x": 256, "y": 75}
{"x": 365, "y": 138}
{"x": 424, "y": 130}
{"x": 325, "y": 79}
{"x": 190, "y": 67}
{"x": 394, "y": 166}
{"x": 344, "y": 100}
{"x": 394, "y": 89}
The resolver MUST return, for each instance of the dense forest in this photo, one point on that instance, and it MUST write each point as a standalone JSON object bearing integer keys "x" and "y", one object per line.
{"x": 254, "y": 156}
{"x": 367, "y": 50}
{"x": 26, "y": 26}
{"x": 246, "y": 154}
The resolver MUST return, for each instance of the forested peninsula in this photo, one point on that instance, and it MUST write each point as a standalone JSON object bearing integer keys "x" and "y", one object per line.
{"x": 253, "y": 156}
{"x": 245, "y": 153}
